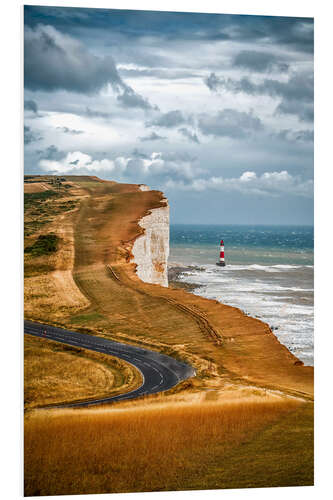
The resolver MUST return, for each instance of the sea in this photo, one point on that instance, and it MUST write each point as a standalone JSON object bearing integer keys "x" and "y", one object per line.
{"x": 269, "y": 274}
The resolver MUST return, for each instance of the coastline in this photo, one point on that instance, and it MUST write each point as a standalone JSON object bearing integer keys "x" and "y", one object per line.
{"x": 268, "y": 293}
{"x": 254, "y": 352}
{"x": 175, "y": 271}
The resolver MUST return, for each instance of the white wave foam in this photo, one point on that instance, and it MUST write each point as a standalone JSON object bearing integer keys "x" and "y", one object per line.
{"x": 282, "y": 300}
{"x": 252, "y": 267}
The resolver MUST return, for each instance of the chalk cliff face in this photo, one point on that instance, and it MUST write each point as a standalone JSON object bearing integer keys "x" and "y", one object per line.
{"x": 151, "y": 249}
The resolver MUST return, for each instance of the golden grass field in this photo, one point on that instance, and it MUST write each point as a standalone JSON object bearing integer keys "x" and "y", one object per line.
{"x": 247, "y": 383}
{"x": 56, "y": 373}
{"x": 252, "y": 442}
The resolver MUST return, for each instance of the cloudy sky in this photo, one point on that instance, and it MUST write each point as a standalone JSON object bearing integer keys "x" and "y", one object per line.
{"x": 214, "y": 110}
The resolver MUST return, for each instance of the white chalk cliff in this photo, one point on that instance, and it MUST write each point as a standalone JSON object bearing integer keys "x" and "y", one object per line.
{"x": 151, "y": 249}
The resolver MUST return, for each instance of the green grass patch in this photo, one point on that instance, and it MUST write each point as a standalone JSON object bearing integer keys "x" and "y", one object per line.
{"x": 30, "y": 228}
{"x": 44, "y": 245}
{"x": 67, "y": 205}
{"x": 40, "y": 196}
{"x": 31, "y": 270}
{"x": 30, "y": 179}
{"x": 88, "y": 317}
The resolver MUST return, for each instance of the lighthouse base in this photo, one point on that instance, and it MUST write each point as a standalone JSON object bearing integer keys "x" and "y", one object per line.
{"x": 221, "y": 264}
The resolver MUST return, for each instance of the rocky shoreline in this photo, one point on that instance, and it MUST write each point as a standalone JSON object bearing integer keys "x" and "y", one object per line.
{"x": 174, "y": 273}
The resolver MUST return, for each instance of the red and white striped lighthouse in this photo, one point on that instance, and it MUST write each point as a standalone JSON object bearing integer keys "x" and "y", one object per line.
{"x": 221, "y": 261}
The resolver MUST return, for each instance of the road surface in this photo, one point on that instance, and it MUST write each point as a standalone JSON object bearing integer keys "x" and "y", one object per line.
{"x": 159, "y": 372}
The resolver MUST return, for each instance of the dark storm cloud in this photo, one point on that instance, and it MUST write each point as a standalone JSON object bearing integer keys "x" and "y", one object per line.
{"x": 296, "y": 94}
{"x": 71, "y": 131}
{"x": 168, "y": 120}
{"x": 181, "y": 156}
{"x": 304, "y": 135}
{"x": 130, "y": 99}
{"x": 152, "y": 137}
{"x": 55, "y": 61}
{"x": 95, "y": 113}
{"x": 191, "y": 136}
{"x": 294, "y": 135}
{"x": 304, "y": 110}
{"x": 136, "y": 153}
{"x": 160, "y": 73}
{"x": 229, "y": 123}
{"x": 50, "y": 153}
{"x": 259, "y": 61}
{"x": 213, "y": 82}
{"x": 134, "y": 24}
{"x": 31, "y": 105}
{"x": 30, "y": 135}
{"x": 298, "y": 86}
{"x": 169, "y": 156}
{"x": 293, "y": 32}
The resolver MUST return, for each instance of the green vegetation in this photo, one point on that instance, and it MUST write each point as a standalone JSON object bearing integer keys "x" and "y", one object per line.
{"x": 31, "y": 179}
{"x": 88, "y": 317}
{"x": 67, "y": 205}
{"x": 30, "y": 198}
{"x": 32, "y": 227}
{"x": 31, "y": 270}
{"x": 45, "y": 244}
{"x": 38, "y": 208}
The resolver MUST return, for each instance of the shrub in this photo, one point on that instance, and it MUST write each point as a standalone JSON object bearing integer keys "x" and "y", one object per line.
{"x": 45, "y": 244}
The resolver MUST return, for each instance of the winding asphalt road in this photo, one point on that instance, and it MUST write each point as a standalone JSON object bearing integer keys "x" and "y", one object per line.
{"x": 159, "y": 372}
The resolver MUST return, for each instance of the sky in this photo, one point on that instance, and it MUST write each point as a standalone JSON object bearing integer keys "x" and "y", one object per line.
{"x": 214, "y": 110}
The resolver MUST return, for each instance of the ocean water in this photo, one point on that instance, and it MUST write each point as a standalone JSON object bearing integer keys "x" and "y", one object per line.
{"x": 268, "y": 274}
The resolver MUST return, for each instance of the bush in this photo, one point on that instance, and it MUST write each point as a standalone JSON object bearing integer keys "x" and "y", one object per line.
{"x": 45, "y": 244}
{"x": 33, "y": 198}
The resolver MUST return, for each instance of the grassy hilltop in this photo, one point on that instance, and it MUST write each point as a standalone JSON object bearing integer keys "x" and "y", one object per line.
{"x": 245, "y": 420}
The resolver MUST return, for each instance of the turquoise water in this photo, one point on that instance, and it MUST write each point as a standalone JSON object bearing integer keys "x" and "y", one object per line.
{"x": 243, "y": 244}
{"x": 268, "y": 274}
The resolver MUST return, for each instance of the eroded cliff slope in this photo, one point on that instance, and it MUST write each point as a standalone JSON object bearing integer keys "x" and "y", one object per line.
{"x": 151, "y": 249}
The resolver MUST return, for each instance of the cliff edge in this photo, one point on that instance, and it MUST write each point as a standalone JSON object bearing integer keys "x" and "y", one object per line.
{"x": 151, "y": 249}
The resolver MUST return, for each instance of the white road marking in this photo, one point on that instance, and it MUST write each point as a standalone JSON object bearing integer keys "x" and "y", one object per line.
{"x": 114, "y": 349}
